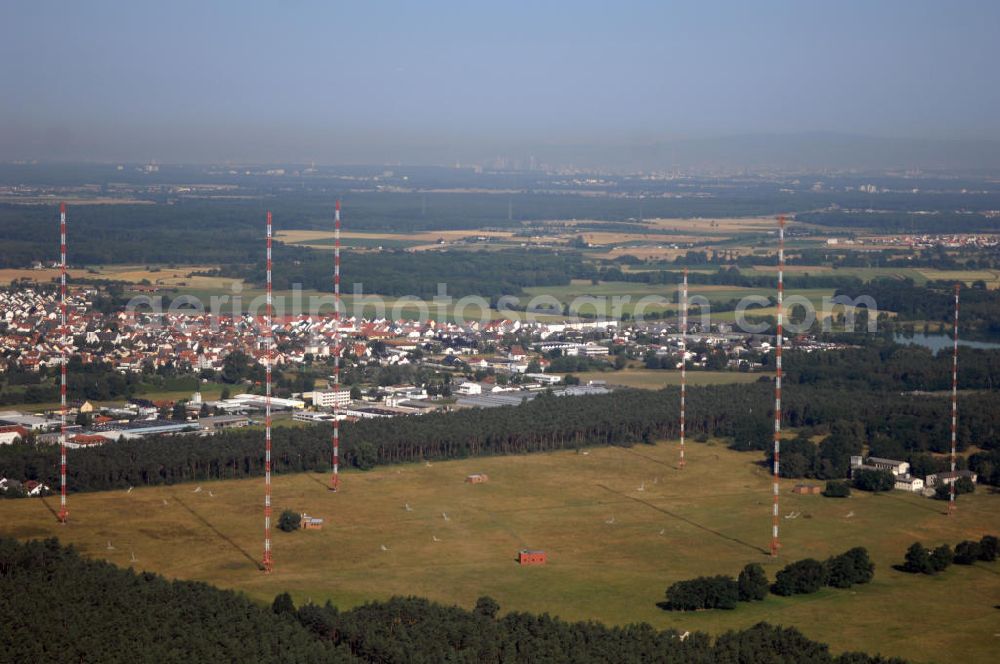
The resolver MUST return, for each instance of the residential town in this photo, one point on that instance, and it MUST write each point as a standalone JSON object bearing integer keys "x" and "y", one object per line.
{"x": 392, "y": 368}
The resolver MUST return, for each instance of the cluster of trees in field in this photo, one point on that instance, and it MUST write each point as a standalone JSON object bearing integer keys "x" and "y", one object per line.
{"x": 874, "y": 480}
{"x": 809, "y": 575}
{"x": 43, "y": 584}
{"x": 800, "y": 577}
{"x": 921, "y": 560}
{"x": 835, "y": 489}
{"x": 986, "y": 465}
{"x": 718, "y": 592}
{"x": 830, "y": 459}
{"x": 897, "y": 425}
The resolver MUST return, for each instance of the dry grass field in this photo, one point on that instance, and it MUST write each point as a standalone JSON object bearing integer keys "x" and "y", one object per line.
{"x": 714, "y": 225}
{"x": 307, "y": 236}
{"x": 991, "y": 277}
{"x": 167, "y": 276}
{"x": 43, "y": 276}
{"x": 619, "y": 525}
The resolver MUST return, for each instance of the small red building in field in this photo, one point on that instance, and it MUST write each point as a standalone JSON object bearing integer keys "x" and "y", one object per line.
{"x": 531, "y": 557}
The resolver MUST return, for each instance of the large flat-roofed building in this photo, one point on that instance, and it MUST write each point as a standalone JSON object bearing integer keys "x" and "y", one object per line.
{"x": 258, "y": 401}
{"x": 220, "y": 422}
{"x": 331, "y": 398}
{"x": 143, "y": 428}
{"x": 32, "y": 422}
{"x": 313, "y": 417}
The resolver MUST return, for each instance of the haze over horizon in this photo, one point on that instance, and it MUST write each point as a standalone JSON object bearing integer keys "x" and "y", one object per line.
{"x": 651, "y": 84}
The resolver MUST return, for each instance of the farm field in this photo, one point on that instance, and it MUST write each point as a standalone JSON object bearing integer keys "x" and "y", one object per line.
{"x": 703, "y": 225}
{"x": 45, "y": 275}
{"x": 606, "y": 291}
{"x": 649, "y": 379}
{"x": 168, "y": 276}
{"x": 418, "y": 241}
{"x": 991, "y": 277}
{"x": 619, "y": 525}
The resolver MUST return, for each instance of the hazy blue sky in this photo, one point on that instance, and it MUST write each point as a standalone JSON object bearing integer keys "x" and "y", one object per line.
{"x": 362, "y": 81}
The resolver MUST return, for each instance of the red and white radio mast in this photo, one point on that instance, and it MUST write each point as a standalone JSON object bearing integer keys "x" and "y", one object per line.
{"x": 775, "y": 544}
{"x": 684, "y": 327}
{"x": 269, "y": 358}
{"x": 954, "y": 404}
{"x": 64, "y": 360}
{"x": 335, "y": 478}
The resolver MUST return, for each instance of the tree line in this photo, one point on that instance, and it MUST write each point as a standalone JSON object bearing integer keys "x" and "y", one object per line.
{"x": 920, "y": 560}
{"x": 908, "y": 424}
{"x": 800, "y": 577}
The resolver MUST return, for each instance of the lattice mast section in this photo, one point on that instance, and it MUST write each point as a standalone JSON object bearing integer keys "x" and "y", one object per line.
{"x": 954, "y": 404}
{"x": 779, "y": 342}
{"x": 335, "y": 477}
{"x": 268, "y": 561}
{"x": 63, "y": 361}
{"x": 683, "y": 345}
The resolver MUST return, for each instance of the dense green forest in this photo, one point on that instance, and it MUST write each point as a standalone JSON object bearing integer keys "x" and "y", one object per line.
{"x": 93, "y": 611}
{"x": 980, "y": 308}
{"x": 483, "y": 273}
{"x": 896, "y": 424}
{"x": 889, "y": 221}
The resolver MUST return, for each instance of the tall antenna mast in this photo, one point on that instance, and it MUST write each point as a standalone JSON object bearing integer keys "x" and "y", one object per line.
{"x": 684, "y": 326}
{"x": 954, "y": 405}
{"x": 335, "y": 478}
{"x": 269, "y": 353}
{"x": 63, "y": 361}
{"x": 775, "y": 544}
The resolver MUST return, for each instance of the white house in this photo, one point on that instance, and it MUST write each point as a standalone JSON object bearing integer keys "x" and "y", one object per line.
{"x": 947, "y": 478}
{"x": 544, "y": 379}
{"x": 877, "y": 463}
{"x": 12, "y": 434}
{"x": 469, "y": 387}
{"x": 909, "y": 483}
